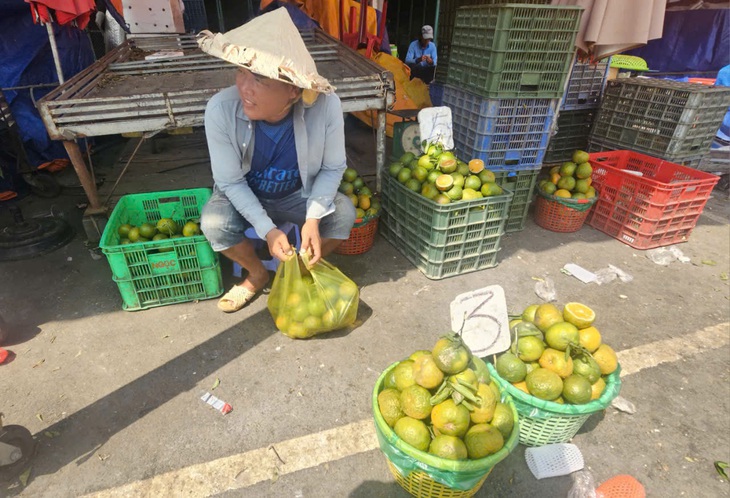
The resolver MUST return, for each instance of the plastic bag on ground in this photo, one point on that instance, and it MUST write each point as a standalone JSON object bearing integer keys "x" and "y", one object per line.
{"x": 624, "y": 405}
{"x": 583, "y": 485}
{"x": 665, "y": 255}
{"x": 609, "y": 274}
{"x": 306, "y": 302}
{"x": 545, "y": 289}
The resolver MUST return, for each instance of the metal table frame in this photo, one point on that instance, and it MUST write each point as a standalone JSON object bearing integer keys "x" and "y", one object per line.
{"x": 86, "y": 105}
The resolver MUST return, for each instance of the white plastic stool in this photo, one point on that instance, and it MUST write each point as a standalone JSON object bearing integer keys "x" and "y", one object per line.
{"x": 273, "y": 263}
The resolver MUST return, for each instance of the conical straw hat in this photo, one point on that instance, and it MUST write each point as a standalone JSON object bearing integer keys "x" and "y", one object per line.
{"x": 268, "y": 45}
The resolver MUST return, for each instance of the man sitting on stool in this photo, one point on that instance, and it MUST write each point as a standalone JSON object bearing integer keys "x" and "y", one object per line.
{"x": 421, "y": 56}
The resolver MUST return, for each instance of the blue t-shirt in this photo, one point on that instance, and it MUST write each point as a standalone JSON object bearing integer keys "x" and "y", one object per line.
{"x": 415, "y": 50}
{"x": 723, "y": 79}
{"x": 274, "y": 167}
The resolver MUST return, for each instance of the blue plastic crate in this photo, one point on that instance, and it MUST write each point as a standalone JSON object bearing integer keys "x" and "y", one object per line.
{"x": 436, "y": 92}
{"x": 507, "y": 134}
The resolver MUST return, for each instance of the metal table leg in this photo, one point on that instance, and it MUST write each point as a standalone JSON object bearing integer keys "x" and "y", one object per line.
{"x": 72, "y": 148}
{"x": 95, "y": 218}
{"x": 380, "y": 149}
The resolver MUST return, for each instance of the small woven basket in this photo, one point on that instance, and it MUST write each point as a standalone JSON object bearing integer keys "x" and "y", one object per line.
{"x": 362, "y": 237}
{"x": 559, "y": 214}
{"x": 422, "y": 482}
{"x": 545, "y": 422}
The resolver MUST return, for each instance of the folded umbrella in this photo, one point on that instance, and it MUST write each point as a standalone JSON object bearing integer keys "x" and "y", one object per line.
{"x": 613, "y": 26}
{"x": 62, "y": 11}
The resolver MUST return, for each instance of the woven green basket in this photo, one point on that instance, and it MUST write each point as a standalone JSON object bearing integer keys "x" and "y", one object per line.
{"x": 546, "y": 422}
{"x": 426, "y": 475}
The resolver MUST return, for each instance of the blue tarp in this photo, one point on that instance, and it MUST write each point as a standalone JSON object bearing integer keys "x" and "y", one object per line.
{"x": 26, "y": 59}
{"x": 693, "y": 41}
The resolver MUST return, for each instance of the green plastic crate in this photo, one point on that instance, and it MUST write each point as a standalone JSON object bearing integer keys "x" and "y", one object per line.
{"x": 513, "y": 50}
{"x": 585, "y": 86}
{"x": 522, "y": 185}
{"x": 447, "y": 16}
{"x": 443, "y": 240}
{"x": 660, "y": 117}
{"x": 573, "y": 130}
{"x": 436, "y": 270}
{"x": 161, "y": 272}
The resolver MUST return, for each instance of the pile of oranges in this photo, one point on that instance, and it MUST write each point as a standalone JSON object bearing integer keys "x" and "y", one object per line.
{"x": 558, "y": 355}
{"x": 571, "y": 180}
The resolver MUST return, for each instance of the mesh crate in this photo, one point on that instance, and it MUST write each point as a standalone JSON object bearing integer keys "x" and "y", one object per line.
{"x": 443, "y": 240}
{"x": 645, "y": 233}
{"x": 572, "y": 131}
{"x": 436, "y": 93}
{"x": 691, "y": 161}
{"x": 658, "y": 208}
{"x": 446, "y": 18}
{"x": 661, "y": 117}
{"x": 585, "y": 86}
{"x": 161, "y": 272}
{"x": 522, "y": 185}
{"x": 507, "y": 134}
{"x": 195, "y": 16}
{"x": 513, "y": 50}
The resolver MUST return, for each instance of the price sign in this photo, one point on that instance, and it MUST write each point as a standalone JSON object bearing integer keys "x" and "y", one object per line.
{"x": 483, "y": 315}
{"x": 436, "y": 127}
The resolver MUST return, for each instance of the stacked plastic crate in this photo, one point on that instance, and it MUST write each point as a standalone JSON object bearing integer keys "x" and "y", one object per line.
{"x": 666, "y": 119}
{"x": 507, "y": 66}
{"x": 447, "y": 16}
{"x": 577, "y": 111}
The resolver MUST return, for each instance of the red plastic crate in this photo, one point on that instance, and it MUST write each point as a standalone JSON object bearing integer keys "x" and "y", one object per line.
{"x": 659, "y": 208}
{"x": 638, "y": 232}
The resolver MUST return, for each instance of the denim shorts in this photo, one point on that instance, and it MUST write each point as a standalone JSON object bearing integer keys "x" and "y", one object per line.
{"x": 224, "y": 226}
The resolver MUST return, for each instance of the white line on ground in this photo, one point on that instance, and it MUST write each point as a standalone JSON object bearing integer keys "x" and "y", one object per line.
{"x": 650, "y": 355}
{"x": 249, "y": 468}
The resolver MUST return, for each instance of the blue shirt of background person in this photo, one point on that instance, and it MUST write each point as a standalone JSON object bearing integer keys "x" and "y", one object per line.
{"x": 723, "y": 79}
{"x": 423, "y": 51}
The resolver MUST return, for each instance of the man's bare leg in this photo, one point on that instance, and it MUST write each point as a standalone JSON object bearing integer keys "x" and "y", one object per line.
{"x": 245, "y": 255}
{"x": 329, "y": 245}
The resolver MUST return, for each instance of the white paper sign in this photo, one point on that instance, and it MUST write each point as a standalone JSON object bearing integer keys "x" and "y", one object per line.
{"x": 486, "y": 329}
{"x": 436, "y": 127}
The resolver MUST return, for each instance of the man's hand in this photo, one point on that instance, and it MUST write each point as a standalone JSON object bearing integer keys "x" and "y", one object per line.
{"x": 428, "y": 59}
{"x": 310, "y": 240}
{"x": 279, "y": 246}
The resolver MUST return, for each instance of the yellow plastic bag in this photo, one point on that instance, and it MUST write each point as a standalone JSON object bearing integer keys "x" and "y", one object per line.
{"x": 304, "y": 303}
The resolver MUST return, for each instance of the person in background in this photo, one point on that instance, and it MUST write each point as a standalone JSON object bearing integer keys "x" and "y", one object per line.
{"x": 421, "y": 56}
{"x": 277, "y": 150}
{"x": 722, "y": 139}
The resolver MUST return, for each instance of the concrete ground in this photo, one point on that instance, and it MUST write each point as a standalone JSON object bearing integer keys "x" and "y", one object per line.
{"x": 113, "y": 396}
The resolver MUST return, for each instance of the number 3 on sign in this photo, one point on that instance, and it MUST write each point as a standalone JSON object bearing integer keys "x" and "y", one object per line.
{"x": 483, "y": 315}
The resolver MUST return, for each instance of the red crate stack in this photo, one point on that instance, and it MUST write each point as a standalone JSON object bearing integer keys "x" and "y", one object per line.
{"x": 646, "y": 202}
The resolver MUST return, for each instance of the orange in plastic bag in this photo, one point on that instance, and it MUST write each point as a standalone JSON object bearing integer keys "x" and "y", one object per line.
{"x": 306, "y": 302}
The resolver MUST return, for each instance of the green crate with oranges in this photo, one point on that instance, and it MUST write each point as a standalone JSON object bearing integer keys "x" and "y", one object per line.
{"x": 522, "y": 185}
{"x": 444, "y": 240}
{"x": 164, "y": 268}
